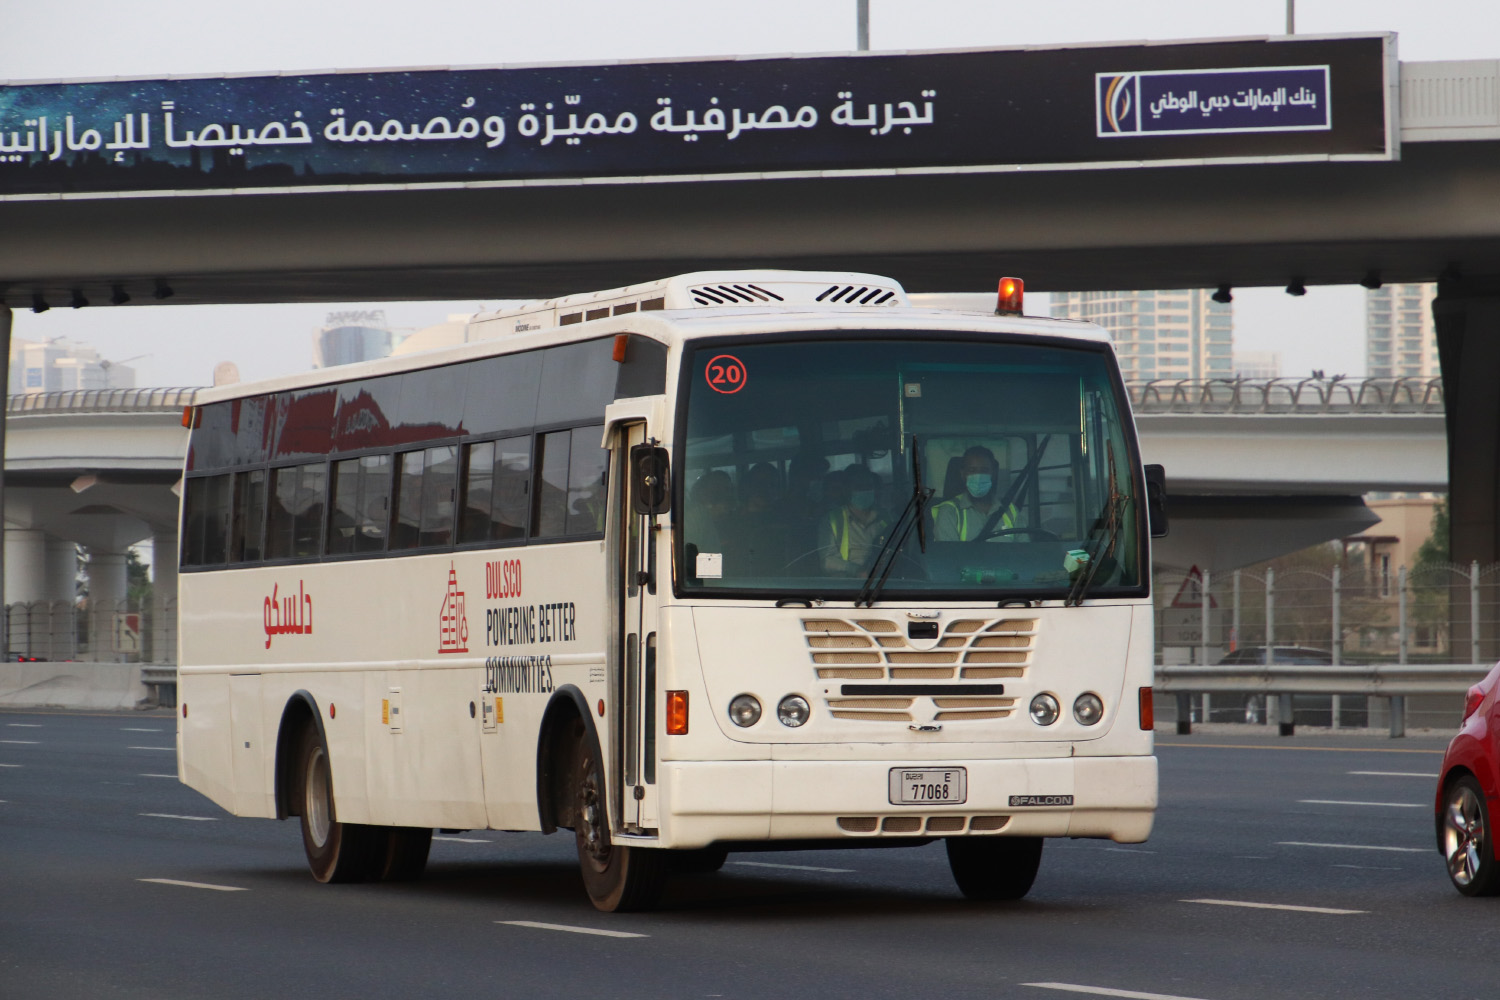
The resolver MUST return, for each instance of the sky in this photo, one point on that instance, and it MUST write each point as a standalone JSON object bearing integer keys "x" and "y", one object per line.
{"x": 179, "y": 345}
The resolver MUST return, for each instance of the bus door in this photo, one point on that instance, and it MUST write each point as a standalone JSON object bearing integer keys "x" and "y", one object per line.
{"x": 635, "y": 725}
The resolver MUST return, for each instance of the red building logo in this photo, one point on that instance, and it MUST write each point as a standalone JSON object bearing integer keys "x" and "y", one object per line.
{"x": 453, "y": 624}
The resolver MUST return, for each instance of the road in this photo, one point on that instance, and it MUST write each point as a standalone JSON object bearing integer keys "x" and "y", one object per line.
{"x": 90, "y": 812}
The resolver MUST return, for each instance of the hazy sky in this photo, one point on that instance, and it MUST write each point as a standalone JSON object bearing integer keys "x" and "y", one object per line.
{"x": 73, "y": 39}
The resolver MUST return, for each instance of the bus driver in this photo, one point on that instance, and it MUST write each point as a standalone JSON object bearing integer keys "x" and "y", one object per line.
{"x": 965, "y": 517}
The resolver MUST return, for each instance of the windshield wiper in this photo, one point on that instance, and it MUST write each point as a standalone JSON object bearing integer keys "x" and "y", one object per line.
{"x": 912, "y": 515}
{"x": 1111, "y": 517}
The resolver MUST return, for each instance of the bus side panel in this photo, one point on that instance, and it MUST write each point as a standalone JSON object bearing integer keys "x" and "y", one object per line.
{"x": 203, "y": 735}
{"x": 252, "y": 758}
{"x": 423, "y": 766}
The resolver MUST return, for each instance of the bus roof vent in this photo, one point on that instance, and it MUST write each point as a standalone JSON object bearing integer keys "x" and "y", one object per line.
{"x": 856, "y": 295}
{"x": 726, "y": 295}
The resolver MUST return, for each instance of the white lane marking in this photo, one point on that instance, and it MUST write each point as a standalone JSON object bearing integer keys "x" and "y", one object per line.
{"x": 195, "y": 885}
{"x": 1104, "y": 991}
{"x": 1353, "y": 847}
{"x": 1370, "y": 868}
{"x": 1342, "y": 802}
{"x": 173, "y": 749}
{"x": 795, "y": 868}
{"x": 24, "y": 725}
{"x": 200, "y": 819}
{"x": 571, "y": 929}
{"x": 173, "y": 776}
{"x": 1273, "y": 906}
{"x": 10, "y": 765}
{"x": 22, "y": 742}
{"x": 456, "y": 840}
{"x": 1398, "y": 774}
{"x": 128, "y": 729}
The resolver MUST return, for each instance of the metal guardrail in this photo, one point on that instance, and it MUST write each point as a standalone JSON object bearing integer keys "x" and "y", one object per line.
{"x": 102, "y": 400}
{"x": 162, "y": 680}
{"x": 1387, "y": 680}
{"x": 1300, "y": 396}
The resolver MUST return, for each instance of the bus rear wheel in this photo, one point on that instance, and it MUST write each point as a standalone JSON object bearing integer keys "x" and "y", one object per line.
{"x": 617, "y": 877}
{"x": 994, "y": 867}
{"x": 400, "y": 852}
{"x": 336, "y": 852}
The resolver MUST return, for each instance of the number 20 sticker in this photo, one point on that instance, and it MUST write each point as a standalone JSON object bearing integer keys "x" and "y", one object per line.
{"x": 725, "y": 373}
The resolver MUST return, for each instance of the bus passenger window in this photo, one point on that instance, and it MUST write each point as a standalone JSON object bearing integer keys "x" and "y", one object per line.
{"x": 551, "y": 514}
{"x": 247, "y": 541}
{"x": 206, "y": 521}
{"x": 512, "y": 488}
{"x": 343, "y": 506}
{"x": 295, "y": 523}
{"x": 588, "y": 465}
{"x": 439, "y": 484}
{"x": 406, "y": 519}
{"x": 374, "y": 503}
{"x": 478, "y": 492}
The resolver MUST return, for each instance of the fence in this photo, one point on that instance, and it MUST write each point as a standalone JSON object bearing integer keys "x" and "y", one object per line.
{"x": 1320, "y": 616}
{"x": 117, "y": 633}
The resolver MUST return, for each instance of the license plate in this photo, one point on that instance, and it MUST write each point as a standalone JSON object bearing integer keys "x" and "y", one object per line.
{"x": 929, "y": 786}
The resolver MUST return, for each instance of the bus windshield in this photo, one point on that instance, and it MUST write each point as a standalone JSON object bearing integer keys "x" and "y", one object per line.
{"x": 798, "y": 471}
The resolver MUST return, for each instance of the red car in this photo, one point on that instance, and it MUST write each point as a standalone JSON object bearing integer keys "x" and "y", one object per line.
{"x": 1469, "y": 791}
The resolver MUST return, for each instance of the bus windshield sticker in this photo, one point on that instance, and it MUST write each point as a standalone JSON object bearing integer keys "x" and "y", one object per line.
{"x": 725, "y": 373}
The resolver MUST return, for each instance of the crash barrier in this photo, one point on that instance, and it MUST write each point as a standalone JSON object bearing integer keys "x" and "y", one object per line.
{"x": 1393, "y": 681}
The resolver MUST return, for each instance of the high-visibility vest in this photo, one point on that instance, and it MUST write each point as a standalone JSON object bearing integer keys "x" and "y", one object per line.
{"x": 1007, "y": 519}
{"x": 843, "y": 535}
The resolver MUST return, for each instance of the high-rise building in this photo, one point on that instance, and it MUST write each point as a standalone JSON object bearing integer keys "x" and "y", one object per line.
{"x": 1163, "y": 334}
{"x": 1400, "y": 338}
{"x": 348, "y": 337}
{"x": 61, "y": 364}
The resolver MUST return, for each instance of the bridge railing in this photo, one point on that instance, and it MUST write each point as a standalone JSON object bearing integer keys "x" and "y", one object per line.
{"x": 1298, "y": 629}
{"x": 101, "y": 400}
{"x": 1338, "y": 396}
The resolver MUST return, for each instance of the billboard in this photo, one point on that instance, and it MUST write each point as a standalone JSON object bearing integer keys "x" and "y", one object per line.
{"x": 1296, "y": 98}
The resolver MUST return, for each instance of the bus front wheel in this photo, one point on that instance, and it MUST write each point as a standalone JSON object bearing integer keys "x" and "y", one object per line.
{"x": 994, "y": 867}
{"x": 336, "y": 852}
{"x": 617, "y": 877}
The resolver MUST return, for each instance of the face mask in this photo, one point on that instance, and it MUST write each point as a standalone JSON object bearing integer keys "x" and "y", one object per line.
{"x": 862, "y": 499}
{"x": 979, "y": 484}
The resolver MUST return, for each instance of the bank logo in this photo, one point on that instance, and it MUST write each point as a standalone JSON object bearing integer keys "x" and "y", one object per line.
{"x": 1117, "y": 103}
{"x": 453, "y": 623}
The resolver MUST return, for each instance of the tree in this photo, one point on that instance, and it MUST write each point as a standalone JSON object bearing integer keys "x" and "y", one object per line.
{"x": 1438, "y": 548}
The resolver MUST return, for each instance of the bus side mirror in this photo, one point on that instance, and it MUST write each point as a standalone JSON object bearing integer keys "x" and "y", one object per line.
{"x": 1156, "y": 500}
{"x": 650, "y": 480}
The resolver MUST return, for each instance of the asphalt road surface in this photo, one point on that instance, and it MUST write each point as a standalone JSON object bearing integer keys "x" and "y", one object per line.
{"x": 1301, "y": 867}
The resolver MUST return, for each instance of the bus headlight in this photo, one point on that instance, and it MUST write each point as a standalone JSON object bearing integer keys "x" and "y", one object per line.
{"x": 793, "y": 710}
{"x": 744, "y": 711}
{"x": 1088, "y": 709}
{"x": 1045, "y": 710}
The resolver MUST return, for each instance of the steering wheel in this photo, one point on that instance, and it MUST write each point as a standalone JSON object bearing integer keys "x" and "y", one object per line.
{"x": 1037, "y": 534}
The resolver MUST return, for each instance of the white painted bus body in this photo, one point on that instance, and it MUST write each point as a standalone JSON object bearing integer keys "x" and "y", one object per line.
{"x": 415, "y": 738}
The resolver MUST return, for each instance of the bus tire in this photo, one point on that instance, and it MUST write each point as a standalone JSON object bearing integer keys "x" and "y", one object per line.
{"x": 617, "y": 878}
{"x": 336, "y": 852}
{"x": 702, "y": 861}
{"x": 401, "y": 852}
{"x": 994, "y": 867}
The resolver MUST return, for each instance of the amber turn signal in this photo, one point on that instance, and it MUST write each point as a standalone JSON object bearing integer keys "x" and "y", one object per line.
{"x": 677, "y": 713}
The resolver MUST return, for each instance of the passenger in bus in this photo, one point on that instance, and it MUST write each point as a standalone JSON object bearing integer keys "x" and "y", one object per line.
{"x": 971, "y": 513}
{"x": 761, "y": 526}
{"x": 853, "y": 531}
{"x": 711, "y": 511}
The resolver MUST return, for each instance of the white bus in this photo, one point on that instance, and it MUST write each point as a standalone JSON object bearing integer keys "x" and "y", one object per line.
{"x": 724, "y": 562}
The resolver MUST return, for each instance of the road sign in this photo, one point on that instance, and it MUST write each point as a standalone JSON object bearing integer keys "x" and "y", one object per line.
{"x": 1190, "y": 594}
{"x": 127, "y": 632}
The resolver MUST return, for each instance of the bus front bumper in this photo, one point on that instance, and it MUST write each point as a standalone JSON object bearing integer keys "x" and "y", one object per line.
{"x": 701, "y": 803}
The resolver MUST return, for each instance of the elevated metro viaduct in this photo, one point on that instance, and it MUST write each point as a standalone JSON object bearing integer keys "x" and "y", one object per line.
{"x": 1430, "y": 213}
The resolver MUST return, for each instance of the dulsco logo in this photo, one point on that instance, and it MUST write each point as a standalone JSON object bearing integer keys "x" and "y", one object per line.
{"x": 453, "y": 624}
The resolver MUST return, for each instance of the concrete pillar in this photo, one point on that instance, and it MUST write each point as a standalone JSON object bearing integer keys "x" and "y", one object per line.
{"x": 106, "y": 596}
{"x": 25, "y": 565}
{"x": 5, "y": 325}
{"x": 1467, "y": 316}
{"x": 62, "y": 570}
{"x": 164, "y": 597}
